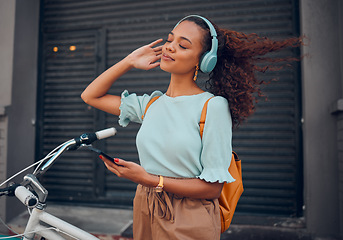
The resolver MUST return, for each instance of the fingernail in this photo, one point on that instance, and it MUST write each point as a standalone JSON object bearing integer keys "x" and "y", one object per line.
{"x": 100, "y": 157}
{"x": 116, "y": 160}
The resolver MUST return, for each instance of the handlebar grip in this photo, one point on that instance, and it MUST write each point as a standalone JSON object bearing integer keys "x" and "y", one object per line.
{"x": 89, "y": 138}
{"x": 26, "y": 197}
{"x": 109, "y": 132}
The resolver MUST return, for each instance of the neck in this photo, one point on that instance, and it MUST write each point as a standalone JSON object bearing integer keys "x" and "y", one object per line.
{"x": 181, "y": 85}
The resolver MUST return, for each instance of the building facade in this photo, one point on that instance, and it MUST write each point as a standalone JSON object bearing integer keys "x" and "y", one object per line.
{"x": 291, "y": 149}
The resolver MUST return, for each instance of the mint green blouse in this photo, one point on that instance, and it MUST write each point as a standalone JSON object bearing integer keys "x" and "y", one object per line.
{"x": 169, "y": 142}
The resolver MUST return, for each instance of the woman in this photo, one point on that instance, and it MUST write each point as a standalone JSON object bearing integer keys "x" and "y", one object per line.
{"x": 181, "y": 175}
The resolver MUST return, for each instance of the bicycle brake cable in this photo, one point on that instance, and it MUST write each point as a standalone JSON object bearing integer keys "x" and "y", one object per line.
{"x": 32, "y": 165}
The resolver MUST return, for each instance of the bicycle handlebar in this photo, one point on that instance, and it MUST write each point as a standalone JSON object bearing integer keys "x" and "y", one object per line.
{"x": 22, "y": 193}
{"x": 26, "y": 196}
{"x": 102, "y": 134}
{"x": 87, "y": 138}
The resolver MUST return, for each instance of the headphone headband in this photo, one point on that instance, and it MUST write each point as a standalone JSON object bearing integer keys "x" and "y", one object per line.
{"x": 213, "y": 31}
{"x": 209, "y": 60}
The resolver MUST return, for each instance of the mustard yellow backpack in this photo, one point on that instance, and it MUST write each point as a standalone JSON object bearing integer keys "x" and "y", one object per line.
{"x": 231, "y": 192}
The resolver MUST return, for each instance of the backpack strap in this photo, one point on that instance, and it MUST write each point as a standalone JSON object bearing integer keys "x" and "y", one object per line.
{"x": 148, "y": 105}
{"x": 203, "y": 117}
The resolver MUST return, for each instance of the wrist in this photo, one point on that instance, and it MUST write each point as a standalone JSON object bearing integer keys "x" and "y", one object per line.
{"x": 152, "y": 181}
{"x": 129, "y": 61}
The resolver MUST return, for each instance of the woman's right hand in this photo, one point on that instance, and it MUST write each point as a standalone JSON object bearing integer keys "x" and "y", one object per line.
{"x": 96, "y": 94}
{"x": 146, "y": 57}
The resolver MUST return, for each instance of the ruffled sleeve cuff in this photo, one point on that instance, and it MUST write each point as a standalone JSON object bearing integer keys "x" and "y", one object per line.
{"x": 132, "y": 107}
{"x": 214, "y": 175}
{"x": 124, "y": 117}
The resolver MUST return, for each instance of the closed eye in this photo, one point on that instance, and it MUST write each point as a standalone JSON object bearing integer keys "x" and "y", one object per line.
{"x": 169, "y": 41}
{"x": 171, "y": 34}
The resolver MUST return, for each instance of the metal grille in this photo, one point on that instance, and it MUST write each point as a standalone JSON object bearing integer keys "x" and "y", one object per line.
{"x": 69, "y": 64}
{"x": 269, "y": 143}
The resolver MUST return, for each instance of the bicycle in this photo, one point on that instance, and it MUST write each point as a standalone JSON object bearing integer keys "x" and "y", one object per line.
{"x": 34, "y": 196}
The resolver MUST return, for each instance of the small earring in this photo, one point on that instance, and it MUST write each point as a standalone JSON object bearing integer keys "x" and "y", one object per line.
{"x": 196, "y": 72}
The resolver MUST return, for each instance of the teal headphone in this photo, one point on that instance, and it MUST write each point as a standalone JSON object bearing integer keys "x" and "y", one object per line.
{"x": 209, "y": 59}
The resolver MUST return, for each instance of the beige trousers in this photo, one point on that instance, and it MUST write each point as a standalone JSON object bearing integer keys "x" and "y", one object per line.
{"x": 160, "y": 216}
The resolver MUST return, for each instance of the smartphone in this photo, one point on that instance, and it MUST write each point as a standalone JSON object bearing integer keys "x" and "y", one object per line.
{"x": 98, "y": 151}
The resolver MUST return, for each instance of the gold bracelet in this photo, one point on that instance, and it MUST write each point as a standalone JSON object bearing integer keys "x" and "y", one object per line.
{"x": 159, "y": 187}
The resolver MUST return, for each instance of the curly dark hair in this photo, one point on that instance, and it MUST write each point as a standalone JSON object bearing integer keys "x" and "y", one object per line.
{"x": 234, "y": 76}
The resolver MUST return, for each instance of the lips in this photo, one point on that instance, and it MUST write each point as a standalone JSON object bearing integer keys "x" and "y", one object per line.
{"x": 166, "y": 57}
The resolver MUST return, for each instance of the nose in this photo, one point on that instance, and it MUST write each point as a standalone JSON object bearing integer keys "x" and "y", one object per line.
{"x": 170, "y": 47}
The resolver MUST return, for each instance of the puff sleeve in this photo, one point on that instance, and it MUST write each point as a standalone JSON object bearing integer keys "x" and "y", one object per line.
{"x": 217, "y": 149}
{"x": 132, "y": 107}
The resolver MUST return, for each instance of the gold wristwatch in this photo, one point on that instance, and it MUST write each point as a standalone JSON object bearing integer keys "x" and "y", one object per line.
{"x": 159, "y": 187}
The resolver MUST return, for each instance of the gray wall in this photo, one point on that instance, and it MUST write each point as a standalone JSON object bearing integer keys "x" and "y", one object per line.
{"x": 339, "y": 113}
{"x": 7, "y": 14}
{"x": 21, "y": 90}
{"x": 321, "y": 71}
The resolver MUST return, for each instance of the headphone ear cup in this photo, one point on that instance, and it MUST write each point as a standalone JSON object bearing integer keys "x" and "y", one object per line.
{"x": 209, "y": 59}
{"x": 208, "y": 62}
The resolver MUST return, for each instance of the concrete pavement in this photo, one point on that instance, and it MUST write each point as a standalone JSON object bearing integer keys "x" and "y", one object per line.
{"x": 105, "y": 223}
{"x": 116, "y": 224}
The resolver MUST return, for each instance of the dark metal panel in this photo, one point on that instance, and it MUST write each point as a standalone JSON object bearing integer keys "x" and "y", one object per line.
{"x": 269, "y": 143}
{"x": 70, "y": 62}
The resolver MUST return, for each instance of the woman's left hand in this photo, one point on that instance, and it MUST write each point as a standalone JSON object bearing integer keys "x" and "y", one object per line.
{"x": 190, "y": 187}
{"x": 126, "y": 169}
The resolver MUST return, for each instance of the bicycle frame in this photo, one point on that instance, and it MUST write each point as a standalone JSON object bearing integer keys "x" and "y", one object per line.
{"x": 34, "y": 225}
{"x": 41, "y": 222}
{"x": 39, "y": 216}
